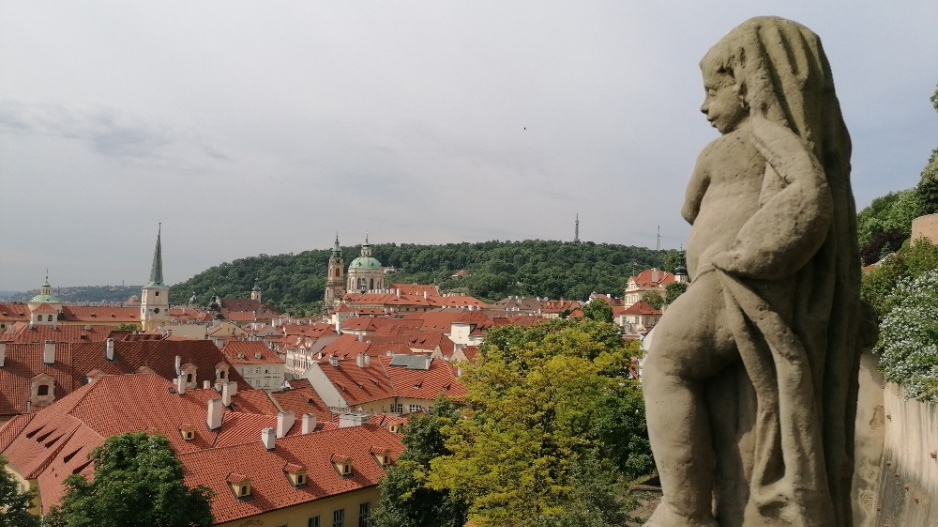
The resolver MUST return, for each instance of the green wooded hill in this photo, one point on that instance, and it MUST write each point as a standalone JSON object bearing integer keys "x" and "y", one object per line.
{"x": 295, "y": 283}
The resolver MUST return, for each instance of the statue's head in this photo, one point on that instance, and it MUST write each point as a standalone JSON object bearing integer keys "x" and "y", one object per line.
{"x": 775, "y": 68}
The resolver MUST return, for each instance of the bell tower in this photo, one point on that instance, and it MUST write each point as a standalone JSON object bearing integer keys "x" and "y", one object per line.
{"x": 335, "y": 280}
{"x": 154, "y": 300}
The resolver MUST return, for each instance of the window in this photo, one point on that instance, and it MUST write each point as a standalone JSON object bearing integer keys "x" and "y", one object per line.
{"x": 42, "y": 390}
{"x": 157, "y": 293}
{"x": 364, "y": 511}
{"x": 313, "y": 522}
{"x": 397, "y": 408}
{"x": 338, "y": 518}
{"x": 415, "y": 408}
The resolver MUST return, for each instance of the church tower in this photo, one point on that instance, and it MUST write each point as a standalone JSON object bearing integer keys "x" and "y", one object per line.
{"x": 154, "y": 301}
{"x": 335, "y": 280}
{"x": 256, "y": 290}
{"x": 365, "y": 273}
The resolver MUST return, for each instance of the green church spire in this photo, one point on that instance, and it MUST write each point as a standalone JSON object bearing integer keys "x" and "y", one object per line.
{"x": 156, "y": 272}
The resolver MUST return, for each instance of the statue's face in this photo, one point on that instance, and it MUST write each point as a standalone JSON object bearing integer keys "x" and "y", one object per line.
{"x": 722, "y": 105}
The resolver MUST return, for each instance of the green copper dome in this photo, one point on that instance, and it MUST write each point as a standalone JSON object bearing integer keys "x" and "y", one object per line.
{"x": 365, "y": 262}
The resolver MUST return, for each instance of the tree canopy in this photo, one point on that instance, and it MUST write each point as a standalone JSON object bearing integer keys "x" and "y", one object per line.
{"x": 14, "y": 502}
{"x": 547, "y": 407}
{"x": 138, "y": 482}
{"x": 405, "y": 500}
{"x": 534, "y": 268}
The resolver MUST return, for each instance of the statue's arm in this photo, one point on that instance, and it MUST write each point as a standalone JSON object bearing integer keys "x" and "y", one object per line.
{"x": 696, "y": 189}
{"x": 795, "y": 212}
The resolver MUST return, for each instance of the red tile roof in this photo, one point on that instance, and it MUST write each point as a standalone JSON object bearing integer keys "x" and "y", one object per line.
{"x": 650, "y": 278}
{"x": 250, "y": 352}
{"x": 270, "y": 488}
{"x": 55, "y": 442}
{"x": 74, "y": 361}
{"x": 24, "y": 333}
{"x": 101, "y": 314}
{"x": 640, "y": 308}
{"x": 14, "y": 312}
{"x": 416, "y": 289}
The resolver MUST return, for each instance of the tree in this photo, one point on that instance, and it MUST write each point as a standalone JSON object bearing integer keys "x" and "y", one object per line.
{"x": 653, "y": 299}
{"x": 405, "y": 500}
{"x": 14, "y": 503}
{"x": 674, "y": 290}
{"x": 537, "y": 416}
{"x": 127, "y": 327}
{"x": 137, "y": 483}
{"x": 913, "y": 259}
{"x": 597, "y": 310}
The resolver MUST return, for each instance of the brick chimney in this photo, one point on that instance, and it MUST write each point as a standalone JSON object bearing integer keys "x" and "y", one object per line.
{"x": 213, "y": 417}
{"x": 109, "y": 349}
{"x": 48, "y": 352}
{"x": 268, "y": 438}
{"x": 309, "y": 423}
{"x": 285, "y": 422}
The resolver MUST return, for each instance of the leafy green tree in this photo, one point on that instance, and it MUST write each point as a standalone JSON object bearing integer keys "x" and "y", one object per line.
{"x": 127, "y": 327}
{"x": 912, "y": 260}
{"x": 405, "y": 499}
{"x": 653, "y": 299}
{"x": 674, "y": 290}
{"x": 894, "y": 211}
{"x": 137, "y": 483}
{"x": 14, "y": 503}
{"x": 535, "y": 417}
{"x": 597, "y": 310}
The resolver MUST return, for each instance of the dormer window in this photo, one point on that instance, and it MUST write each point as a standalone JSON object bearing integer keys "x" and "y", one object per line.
{"x": 295, "y": 473}
{"x": 382, "y": 456}
{"x": 187, "y": 432}
{"x": 394, "y": 428}
{"x": 342, "y": 464}
{"x": 240, "y": 485}
{"x": 42, "y": 389}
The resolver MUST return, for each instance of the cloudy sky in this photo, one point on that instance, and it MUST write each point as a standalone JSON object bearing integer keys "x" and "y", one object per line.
{"x": 266, "y": 127}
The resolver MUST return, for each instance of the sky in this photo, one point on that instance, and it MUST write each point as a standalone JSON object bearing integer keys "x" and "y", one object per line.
{"x": 251, "y": 128}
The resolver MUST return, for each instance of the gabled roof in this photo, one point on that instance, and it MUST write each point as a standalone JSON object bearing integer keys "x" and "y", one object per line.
{"x": 74, "y": 361}
{"x": 416, "y": 289}
{"x": 24, "y": 333}
{"x": 640, "y": 308}
{"x": 301, "y": 399}
{"x": 250, "y": 352}
{"x": 14, "y": 312}
{"x": 651, "y": 278}
{"x": 100, "y": 314}
{"x": 56, "y": 441}
{"x": 270, "y": 489}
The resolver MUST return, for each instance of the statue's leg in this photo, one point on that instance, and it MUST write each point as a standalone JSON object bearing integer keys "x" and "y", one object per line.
{"x": 689, "y": 346}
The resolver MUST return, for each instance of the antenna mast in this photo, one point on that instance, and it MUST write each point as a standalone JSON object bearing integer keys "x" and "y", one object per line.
{"x": 576, "y": 230}
{"x": 658, "y": 245}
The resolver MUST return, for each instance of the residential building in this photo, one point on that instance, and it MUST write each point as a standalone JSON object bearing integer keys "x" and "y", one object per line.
{"x": 259, "y": 365}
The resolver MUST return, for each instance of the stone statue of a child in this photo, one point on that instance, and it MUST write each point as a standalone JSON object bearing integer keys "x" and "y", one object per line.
{"x": 750, "y": 382}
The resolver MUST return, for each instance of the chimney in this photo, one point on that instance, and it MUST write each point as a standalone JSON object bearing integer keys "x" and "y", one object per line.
{"x": 226, "y": 394}
{"x": 334, "y": 360}
{"x": 206, "y": 384}
{"x": 360, "y": 360}
{"x": 268, "y": 438}
{"x": 178, "y": 364}
{"x": 3, "y": 352}
{"x": 367, "y": 359}
{"x": 309, "y": 423}
{"x": 654, "y": 275}
{"x": 215, "y": 412}
{"x": 349, "y": 420}
{"x": 48, "y": 352}
{"x": 285, "y": 422}
{"x": 109, "y": 349}
{"x": 181, "y": 384}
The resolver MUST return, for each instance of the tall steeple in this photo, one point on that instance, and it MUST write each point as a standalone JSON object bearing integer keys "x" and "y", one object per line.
{"x": 154, "y": 299}
{"x": 156, "y": 271}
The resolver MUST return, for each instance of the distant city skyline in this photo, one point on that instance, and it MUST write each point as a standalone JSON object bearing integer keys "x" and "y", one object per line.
{"x": 253, "y": 129}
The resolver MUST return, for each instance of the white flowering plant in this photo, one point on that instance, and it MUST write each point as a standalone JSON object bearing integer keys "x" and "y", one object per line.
{"x": 908, "y": 344}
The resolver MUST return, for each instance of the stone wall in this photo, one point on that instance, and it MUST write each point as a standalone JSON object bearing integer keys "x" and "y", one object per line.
{"x": 905, "y": 494}
{"x": 925, "y": 227}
